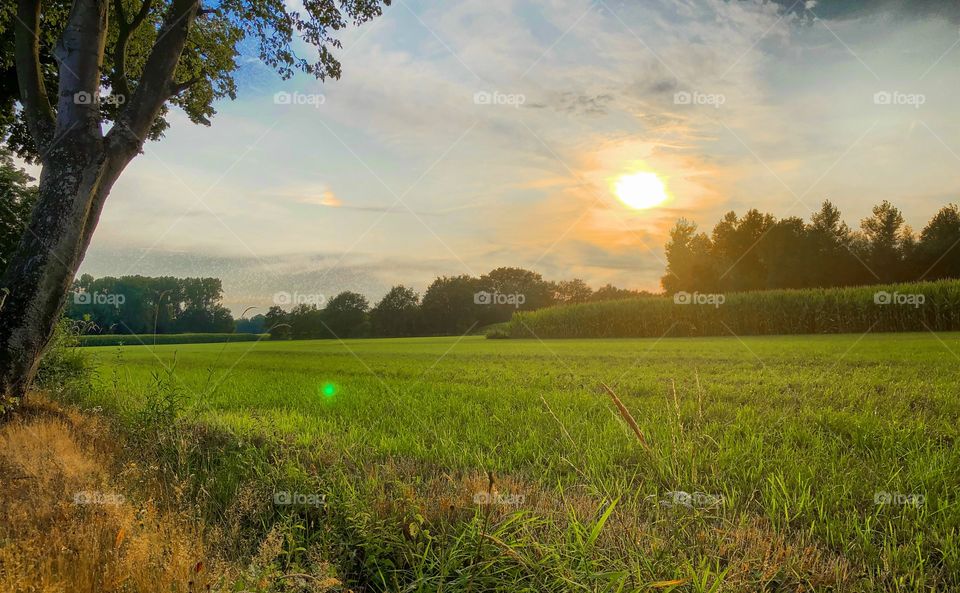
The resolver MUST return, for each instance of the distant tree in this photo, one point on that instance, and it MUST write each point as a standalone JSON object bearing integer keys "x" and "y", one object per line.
{"x": 448, "y": 306}
{"x": 17, "y": 196}
{"x": 254, "y": 325}
{"x": 784, "y": 254}
{"x": 690, "y": 263}
{"x": 345, "y": 315}
{"x": 277, "y": 323}
{"x": 609, "y": 292}
{"x": 307, "y": 322}
{"x": 397, "y": 313}
{"x": 528, "y": 289}
{"x": 831, "y": 258}
{"x": 884, "y": 235}
{"x": 569, "y": 292}
{"x": 146, "y": 305}
{"x": 735, "y": 241}
{"x": 937, "y": 254}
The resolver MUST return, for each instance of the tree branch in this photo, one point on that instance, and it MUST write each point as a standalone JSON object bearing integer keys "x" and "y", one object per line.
{"x": 153, "y": 89}
{"x": 33, "y": 93}
{"x": 118, "y": 79}
{"x": 80, "y": 54}
{"x": 177, "y": 88}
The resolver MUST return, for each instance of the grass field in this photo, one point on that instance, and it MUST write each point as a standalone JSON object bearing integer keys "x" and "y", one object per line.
{"x": 774, "y": 463}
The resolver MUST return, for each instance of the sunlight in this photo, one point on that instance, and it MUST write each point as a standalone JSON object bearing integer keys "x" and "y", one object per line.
{"x": 641, "y": 190}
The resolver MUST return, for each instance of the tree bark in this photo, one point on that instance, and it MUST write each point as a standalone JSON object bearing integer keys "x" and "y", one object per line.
{"x": 38, "y": 278}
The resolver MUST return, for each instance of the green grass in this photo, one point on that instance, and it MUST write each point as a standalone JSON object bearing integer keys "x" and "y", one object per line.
{"x": 789, "y": 440}
{"x": 151, "y": 339}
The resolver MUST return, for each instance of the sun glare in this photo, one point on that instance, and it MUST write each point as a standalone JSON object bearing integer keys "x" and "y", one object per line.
{"x": 641, "y": 190}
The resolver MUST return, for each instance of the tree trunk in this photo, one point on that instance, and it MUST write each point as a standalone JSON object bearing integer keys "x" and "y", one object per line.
{"x": 80, "y": 166}
{"x": 76, "y": 177}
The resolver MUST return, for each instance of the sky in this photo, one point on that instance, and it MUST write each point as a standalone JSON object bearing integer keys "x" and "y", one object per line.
{"x": 471, "y": 135}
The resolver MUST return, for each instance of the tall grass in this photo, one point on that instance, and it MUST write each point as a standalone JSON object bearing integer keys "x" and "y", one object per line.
{"x": 920, "y": 306}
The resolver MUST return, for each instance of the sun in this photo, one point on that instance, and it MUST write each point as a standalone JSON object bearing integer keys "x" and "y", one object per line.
{"x": 641, "y": 190}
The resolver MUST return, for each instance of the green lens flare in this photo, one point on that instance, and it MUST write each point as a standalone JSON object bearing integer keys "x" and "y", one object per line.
{"x": 329, "y": 390}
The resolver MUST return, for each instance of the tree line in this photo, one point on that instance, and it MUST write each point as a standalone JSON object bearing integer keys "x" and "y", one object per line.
{"x": 757, "y": 251}
{"x": 451, "y": 305}
{"x": 146, "y": 305}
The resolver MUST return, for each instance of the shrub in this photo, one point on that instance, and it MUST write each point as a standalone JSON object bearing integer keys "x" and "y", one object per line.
{"x": 64, "y": 367}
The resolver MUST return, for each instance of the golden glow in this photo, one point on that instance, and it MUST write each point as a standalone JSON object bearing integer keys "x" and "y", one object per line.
{"x": 641, "y": 190}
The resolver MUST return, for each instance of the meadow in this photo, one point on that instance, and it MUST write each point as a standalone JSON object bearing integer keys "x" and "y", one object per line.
{"x": 779, "y": 463}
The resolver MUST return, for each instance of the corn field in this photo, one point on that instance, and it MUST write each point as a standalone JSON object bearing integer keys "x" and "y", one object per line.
{"x": 920, "y": 306}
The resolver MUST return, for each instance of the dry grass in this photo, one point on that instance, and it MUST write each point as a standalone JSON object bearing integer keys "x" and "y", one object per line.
{"x": 66, "y": 524}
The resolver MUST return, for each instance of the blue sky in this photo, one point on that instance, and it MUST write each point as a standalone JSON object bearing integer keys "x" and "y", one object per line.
{"x": 396, "y": 174}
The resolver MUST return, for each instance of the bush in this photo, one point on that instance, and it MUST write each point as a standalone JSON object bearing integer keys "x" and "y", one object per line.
{"x": 920, "y": 306}
{"x": 64, "y": 368}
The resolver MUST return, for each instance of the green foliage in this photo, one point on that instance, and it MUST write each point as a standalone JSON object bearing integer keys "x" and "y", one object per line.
{"x": 345, "y": 315}
{"x": 17, "y": 196}
{"x": 757, "y": 251}
{"x": 147, "y": 305}
{"x": 808, "y": 311}
{"x": 499, "y": 331}
{"x": 65, "y": 370}
{"x": 270, "y": 30}
{"x": 396, "y": 314}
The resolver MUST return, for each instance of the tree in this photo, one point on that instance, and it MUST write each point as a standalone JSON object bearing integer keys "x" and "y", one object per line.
{"x": 937, "y": 255}
{"x": 690, "y": 265}
{"x": 570, "y": 292}
{"x": 255, "y": 325}
{"x": 143, "y": 304}
{"x": 784, "y": 254}
{"x": 513, "y": 289}
{"x": 17, "y": 196}
{"x": 831, "y": 254}
{"x": 735, "y": 241}
{"x": 345, "y": 316}
{"x": 149, "y": 54}
{"x": 450, "y": 306}
{"x": 277, "y": 323}
{"x": 396, "y": 314}
{"x": 883, "y": 232}
{"x": 609, "y": 292}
